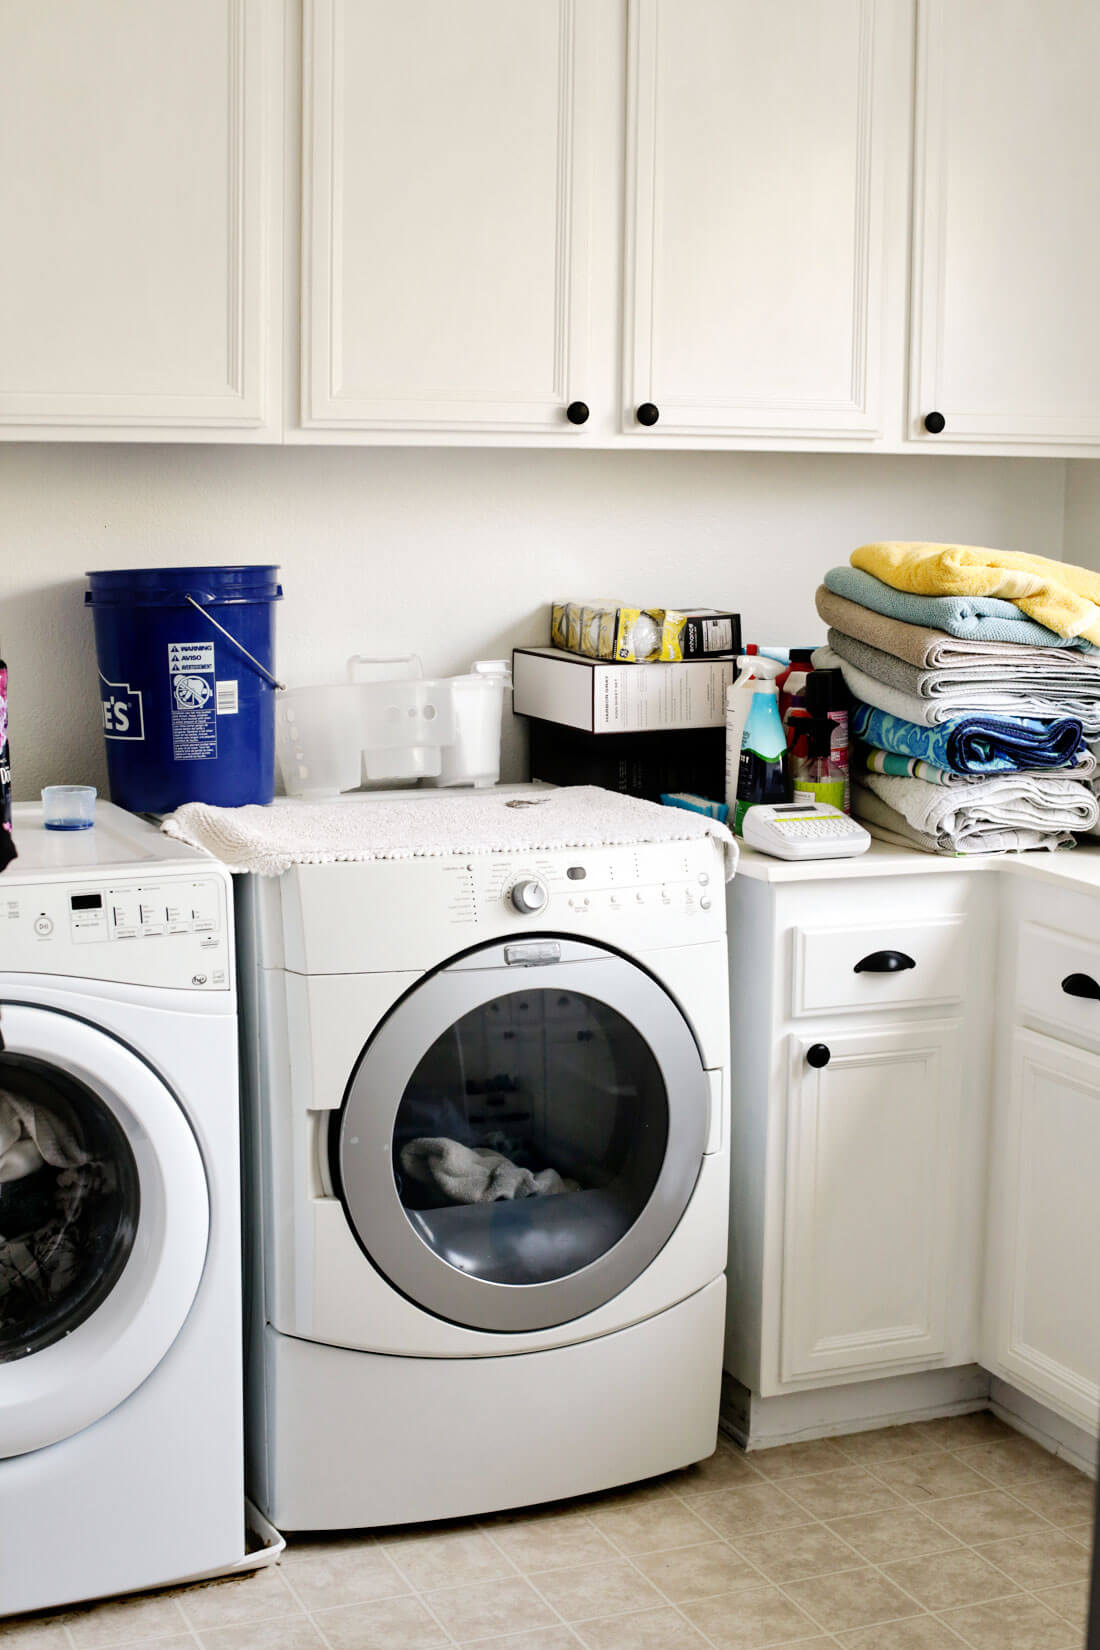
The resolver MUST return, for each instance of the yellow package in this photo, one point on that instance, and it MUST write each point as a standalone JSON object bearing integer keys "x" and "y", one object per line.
{"x": 638, "y": 634}
{"x": 559, "y": 624}
{"x": 573, "y": 627}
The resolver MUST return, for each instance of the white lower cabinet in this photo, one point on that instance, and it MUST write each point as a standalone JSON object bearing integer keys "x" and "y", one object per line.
{"x": 1043, "y": 1325}
{"x": 870, "y": 1187}
{"x": 915, "y": 1128}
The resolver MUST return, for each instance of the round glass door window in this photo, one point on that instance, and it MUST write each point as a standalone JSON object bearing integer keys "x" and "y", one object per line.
{"x": 69, "y": 1204}
{"x": 514, "y": 1152}
{"x": 530, "y": 1136}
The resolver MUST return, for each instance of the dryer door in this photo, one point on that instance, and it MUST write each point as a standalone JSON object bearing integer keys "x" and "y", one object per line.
{"x": 104, "y": 1222}
{"x": 522, "y": 1134}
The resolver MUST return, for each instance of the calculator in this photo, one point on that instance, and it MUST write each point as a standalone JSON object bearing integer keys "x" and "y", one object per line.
{"x": 803, "y": 830}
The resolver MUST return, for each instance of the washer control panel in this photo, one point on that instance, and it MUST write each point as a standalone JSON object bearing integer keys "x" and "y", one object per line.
{"x": 168, "y": 931}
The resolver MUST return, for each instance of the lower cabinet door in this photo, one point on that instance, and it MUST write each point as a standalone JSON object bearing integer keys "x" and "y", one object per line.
{"x": 871, "y": 1187}
{"x": 1043, "y": 1329}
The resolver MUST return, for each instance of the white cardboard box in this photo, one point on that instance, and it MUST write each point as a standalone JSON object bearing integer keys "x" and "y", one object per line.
{"x": 599, "y": 696}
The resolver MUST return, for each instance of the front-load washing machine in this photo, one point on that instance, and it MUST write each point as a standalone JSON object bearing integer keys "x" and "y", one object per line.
{"x": 489, "y": 1107}
{"x": 121, "y": 1450}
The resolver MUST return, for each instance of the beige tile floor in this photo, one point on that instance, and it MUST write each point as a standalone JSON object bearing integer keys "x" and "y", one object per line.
{"x": 925, "y": 1537}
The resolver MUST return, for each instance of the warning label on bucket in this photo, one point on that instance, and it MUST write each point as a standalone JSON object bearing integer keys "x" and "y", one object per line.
{"x": 194, "y": 726}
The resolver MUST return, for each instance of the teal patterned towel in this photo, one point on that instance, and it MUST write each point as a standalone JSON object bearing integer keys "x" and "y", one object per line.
{"x": 976, "y": 618}
{"x": 973, "y": 744}
{"x": 911, "y": 767}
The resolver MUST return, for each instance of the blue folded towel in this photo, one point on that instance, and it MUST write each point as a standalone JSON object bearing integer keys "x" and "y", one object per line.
{"x": 974, "y": 744}
{"x": 977, "y": 618}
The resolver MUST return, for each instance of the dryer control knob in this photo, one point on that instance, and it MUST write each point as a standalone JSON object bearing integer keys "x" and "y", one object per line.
{"x": 529, "y": 896}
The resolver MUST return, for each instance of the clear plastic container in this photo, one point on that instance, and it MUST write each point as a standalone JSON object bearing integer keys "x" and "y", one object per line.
{"x": 391, "y": 726}
{"x": 68, "y": 807}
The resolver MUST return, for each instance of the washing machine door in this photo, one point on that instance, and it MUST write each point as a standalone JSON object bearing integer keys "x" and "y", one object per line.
{"x": 104, "y": 1223}
{"x": 522, "y": 1134}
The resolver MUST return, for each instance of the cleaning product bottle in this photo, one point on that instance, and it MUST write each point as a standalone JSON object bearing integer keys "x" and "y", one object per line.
{"x": 827, "y": 700}
{"x": 815, "y": 776}
{"x": 792, "y": 681}
{"x": 751, "y": 666}
{"x": 763, "y": 774}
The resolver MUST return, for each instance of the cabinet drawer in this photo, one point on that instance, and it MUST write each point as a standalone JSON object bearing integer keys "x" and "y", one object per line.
{"x": 890, "y": 964}
{"x": 1048, "y": 962}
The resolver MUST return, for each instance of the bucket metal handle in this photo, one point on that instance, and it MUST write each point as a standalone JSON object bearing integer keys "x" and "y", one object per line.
{"x": 263, "y": 670}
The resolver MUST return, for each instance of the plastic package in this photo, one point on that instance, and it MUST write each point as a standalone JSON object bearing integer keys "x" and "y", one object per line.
{"x": 389, "y": 725}
{"x": 68, "y": 807}
{"x": 641, "y": 635}
{"x": 7, "y": 841}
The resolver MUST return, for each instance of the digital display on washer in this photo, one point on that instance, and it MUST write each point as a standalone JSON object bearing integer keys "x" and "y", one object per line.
{"x": 86, "y": 902}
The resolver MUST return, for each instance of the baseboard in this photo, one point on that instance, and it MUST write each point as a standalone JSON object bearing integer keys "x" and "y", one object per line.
{"x": 758, "y": 1423}
{"x": 1035, "y": 1421}
{"x": 826, "y": 1412}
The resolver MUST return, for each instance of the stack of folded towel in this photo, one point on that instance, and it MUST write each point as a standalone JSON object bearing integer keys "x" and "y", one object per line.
{"x": 976, "y": 676}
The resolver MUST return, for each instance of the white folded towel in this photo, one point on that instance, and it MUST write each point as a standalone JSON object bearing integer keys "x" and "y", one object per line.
{"x": 269, "y": 840}
{"x": 975, "y": 820}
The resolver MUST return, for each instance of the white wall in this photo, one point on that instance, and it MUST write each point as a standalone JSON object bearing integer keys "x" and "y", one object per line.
{"x": 1082, "y": 532}
{"x": 453, "y": 554}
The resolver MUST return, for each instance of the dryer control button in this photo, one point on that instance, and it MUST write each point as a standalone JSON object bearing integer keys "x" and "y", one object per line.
{"x": 529, "y": 896}
{"x": 43, "y": 926}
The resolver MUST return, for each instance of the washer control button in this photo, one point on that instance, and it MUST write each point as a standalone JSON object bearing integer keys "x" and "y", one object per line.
{"x": 529, "y": 896}
{"x": 705, "y": 903}
{"x": 43, "y": 926}
{"x": 703, "y": 878}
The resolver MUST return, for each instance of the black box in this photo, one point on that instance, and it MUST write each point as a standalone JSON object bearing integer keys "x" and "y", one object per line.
{"x": 634, "y": 764}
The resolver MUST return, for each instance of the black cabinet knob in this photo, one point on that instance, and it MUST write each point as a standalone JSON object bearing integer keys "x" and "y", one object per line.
{"x": 577, "y": 412}
{"x": 1081, "y": 985}
{"x": 934, "y": 422}
{"x": 884, "y": 962}
{"x": 647, "y": 413}
{"x": 818, "y": 1055}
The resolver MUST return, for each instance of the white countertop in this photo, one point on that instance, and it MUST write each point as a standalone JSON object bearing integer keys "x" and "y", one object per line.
{"x": 1077, "y": 867}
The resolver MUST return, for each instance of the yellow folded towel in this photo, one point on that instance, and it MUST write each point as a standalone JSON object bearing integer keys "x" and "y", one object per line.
{"x": 1063, "y": 597}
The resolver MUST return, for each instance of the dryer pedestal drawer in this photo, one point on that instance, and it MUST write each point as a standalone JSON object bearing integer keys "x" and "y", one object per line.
{"x": 356, "y": 1440}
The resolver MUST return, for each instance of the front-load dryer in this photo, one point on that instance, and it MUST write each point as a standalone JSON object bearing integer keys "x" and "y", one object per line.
{"x": 121, "y": 1449}
{"x": 419, "y": 1350}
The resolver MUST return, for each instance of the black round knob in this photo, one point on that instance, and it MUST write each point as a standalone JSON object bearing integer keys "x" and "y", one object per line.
{"x": 577, "y": 412}
{"x": 647, "y": 413}
{"x": 934, "y": 422}
{"x": 818, "y": 1055}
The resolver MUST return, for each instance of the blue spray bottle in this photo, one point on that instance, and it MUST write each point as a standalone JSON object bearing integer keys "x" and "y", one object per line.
{"x": 763, "y": 774}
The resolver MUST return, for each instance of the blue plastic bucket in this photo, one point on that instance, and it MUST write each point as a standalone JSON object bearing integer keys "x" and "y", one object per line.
{"x": 186, "y": 661}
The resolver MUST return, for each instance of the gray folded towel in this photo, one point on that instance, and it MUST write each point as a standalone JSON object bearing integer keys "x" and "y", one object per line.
{"x": 476, "y": 1174}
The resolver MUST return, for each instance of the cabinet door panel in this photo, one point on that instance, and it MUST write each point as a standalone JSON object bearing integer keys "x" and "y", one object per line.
{"x": 139, "y": 152}
{"x": 870, "y": 1191}
{"x": 755, "y": 215}
{"x": 444, "y": 213}
{"x": 1006, "y": 249}
{"x": 1046, "y": 1234}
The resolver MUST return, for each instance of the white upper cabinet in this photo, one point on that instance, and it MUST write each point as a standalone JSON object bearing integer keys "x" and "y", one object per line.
{"x": 757, "y": 160}
{"x": 1006, "y": 247}
{"x": 445, "y": 214}
{"x": 140, "y": 181}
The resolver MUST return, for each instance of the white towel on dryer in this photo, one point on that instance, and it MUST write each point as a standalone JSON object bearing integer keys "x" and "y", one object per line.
{"x": 269, "y": 840}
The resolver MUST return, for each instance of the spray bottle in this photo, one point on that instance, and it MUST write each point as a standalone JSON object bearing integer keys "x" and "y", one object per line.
{"x": 751, "y": 667}
{"x": 763, "y": 773}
